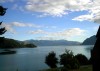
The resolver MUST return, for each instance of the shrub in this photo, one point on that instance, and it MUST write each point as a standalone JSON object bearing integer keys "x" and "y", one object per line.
{"x": 51, "y": 60}
{"x": 68, "y": 60}
{"x": 82, "y": 59}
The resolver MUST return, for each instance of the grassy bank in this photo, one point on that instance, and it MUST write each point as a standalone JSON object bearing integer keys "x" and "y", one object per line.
{"x": 82, "y": 68}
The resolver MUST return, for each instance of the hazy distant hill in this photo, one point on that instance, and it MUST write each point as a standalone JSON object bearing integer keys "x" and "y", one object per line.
{"x": 52, "y": 42}
{"x": 90, "y": 41}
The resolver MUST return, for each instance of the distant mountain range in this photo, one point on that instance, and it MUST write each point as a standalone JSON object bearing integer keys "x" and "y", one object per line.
{"x": 11, "y": 43}
{"x": 51, "y": 42}
{"x": 89, "y": 41}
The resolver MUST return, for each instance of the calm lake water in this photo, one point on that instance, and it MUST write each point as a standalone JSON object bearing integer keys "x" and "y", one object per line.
{"x": 32, "y": 59}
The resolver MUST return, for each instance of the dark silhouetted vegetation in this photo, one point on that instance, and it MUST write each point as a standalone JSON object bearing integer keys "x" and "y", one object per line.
{"x": 2, "y": 29}
{"x": 82, "y": 59}
{"x": 68, "y": 60}
{"x": 2, "y": 12}
{"x": 95, "y": 53}
{"x": 30, "y": 45}
{"x": 82, "y": 68}
{"x": 51, "y": 60}
{"x": 11, "y": 43}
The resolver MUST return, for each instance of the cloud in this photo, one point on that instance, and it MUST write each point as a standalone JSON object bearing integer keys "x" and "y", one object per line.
{"x": 93, "y": 12}
{"x": 84, "y": 17}
{"x": 20, "y": 24}
{"x": 66, "y": 34}
{"x": 55, "y": 7}
{"x": 37, "y": 32}
{"x": 31, "y": 25}
{"x": 63, "y": 7}
{"x": 9, "y": 28}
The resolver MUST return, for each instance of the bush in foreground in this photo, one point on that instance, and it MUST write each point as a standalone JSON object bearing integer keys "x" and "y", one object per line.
{"x": 68, "y": 60}
{"x": 82, "y": 59}
{"x": 51, "y": 60}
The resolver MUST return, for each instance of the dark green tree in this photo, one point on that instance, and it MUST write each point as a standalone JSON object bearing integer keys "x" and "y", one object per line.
{"x": 68, "y": 60}
{"x": 51, "y": 60}
{"x": 2, "y": 12}
{"x": 2, "y": 29}
{"x": 82, "y": 59}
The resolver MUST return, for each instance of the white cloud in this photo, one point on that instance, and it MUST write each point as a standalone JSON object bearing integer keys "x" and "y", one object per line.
{"x": 20, "y": 24}
{"x": 37, "y": 32}
{"x": 66, "y": 34}
{"x": 94, "y": 12}
{"x": 9, "y": 28}
{"x": 84, "y": 17}
{"x": 31, "y": 25}
{"x": 56, "y": 7}
{"x": 63, "y": 7}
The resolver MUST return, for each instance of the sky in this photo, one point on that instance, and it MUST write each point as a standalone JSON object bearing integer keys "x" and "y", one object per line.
{"x": 73, "y": 20}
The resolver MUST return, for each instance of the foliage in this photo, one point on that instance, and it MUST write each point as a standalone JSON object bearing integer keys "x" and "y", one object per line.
{"x": 68, "y": 60}
{"x": 2, "y": 12}
{"x": 90, "y": 61}
{"x": 11, "y": 43}
{"x": 30, "y": 45}
{"x": 2, "y": 29}
{"x": 51, "y": 60}
{"x": 82, "y": 68}
{"x": 82, "y": 59}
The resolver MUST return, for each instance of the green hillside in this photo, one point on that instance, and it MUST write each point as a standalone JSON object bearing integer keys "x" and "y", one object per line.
{"x": 11, "y": 43}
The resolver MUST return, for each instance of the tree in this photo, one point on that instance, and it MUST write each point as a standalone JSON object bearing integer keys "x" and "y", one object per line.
{"x": 68, "y": 60}
{"x": 51, "y": 60}
{"x": 82, "y": 59}
{"x": 2, "y": 12}
{"x": 2, "y": 30}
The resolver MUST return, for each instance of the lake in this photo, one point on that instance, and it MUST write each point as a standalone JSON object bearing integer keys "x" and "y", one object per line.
{"x": 32, "y": 59}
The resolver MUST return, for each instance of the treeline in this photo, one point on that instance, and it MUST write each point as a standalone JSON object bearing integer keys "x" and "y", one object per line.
{"x": 67, "y": 61}
{"x": 11, "y": 43}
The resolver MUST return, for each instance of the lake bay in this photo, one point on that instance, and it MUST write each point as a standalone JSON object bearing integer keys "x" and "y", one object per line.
{"x": 33, "y": 59}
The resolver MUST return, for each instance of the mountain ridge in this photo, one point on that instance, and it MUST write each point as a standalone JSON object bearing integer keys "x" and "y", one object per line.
{"x": 89, "y": 41}
{"x": 52, "y": 42}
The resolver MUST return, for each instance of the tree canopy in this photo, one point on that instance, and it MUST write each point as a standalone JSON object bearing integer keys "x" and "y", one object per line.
{"x": 2, "y": 12}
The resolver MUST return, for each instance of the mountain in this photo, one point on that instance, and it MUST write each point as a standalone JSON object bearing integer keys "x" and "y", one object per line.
{"x": 51, "y": 42}
{"x": 89, "y": 41}
{"x": 11, "y": 43}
